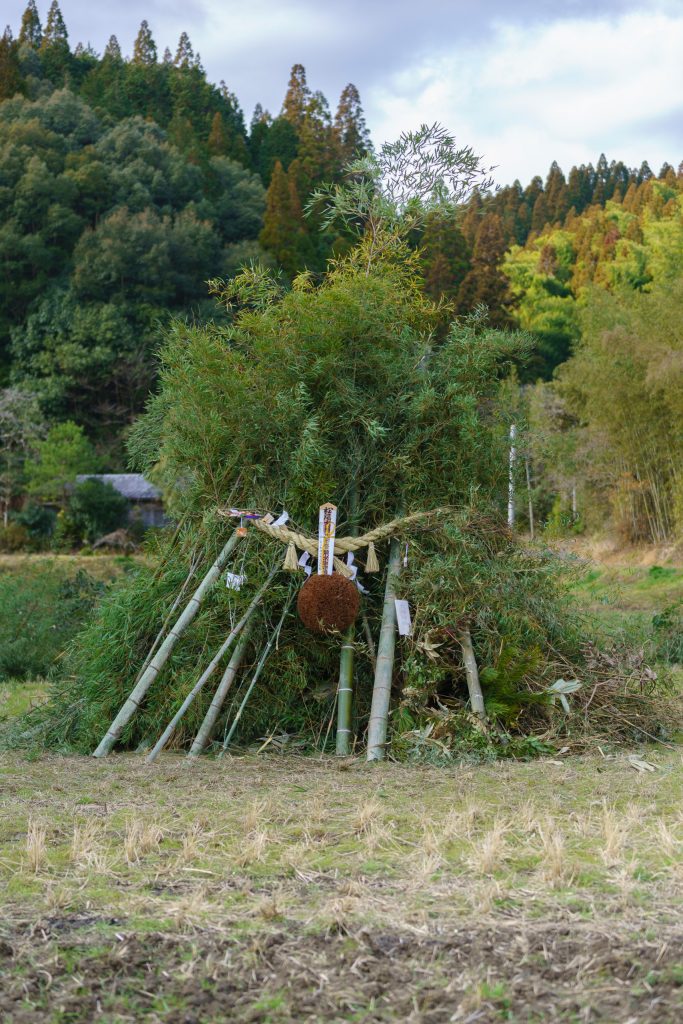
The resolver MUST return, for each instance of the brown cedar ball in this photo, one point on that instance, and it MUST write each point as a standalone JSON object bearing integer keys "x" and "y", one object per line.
{"x": 328, "y": 602}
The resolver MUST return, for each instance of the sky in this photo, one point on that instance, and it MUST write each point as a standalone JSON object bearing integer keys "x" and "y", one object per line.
{"x": 524, "y": 82}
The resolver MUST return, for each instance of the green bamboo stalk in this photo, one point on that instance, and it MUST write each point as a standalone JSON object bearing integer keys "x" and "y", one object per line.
{"x": 472, "y": 674}
{"x": 228, "y": 678}
{"x": 206, "y": 728}
{"x": 162, "y": 632}
{"x": 346, "y": 658}
{"x": 208, "y": 672}
{"x": 161, "y": 657}
{"x": 345, "y": 693}
{"x": 381, "y": 692}
{"x": 257, "y": 672}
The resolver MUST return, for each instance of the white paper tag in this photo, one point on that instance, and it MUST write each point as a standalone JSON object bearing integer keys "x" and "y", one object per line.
{"x": 234, "y": 581}
{"x": 405, "y": 626}
{"x": 360, "y": 586}
{"x": 308, "y": 570}
{"x": 304, "y": 558}
{"x": 281, "y": 519}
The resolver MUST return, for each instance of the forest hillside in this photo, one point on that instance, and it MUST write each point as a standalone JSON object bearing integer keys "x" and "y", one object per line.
{"x": 128, "y": 180}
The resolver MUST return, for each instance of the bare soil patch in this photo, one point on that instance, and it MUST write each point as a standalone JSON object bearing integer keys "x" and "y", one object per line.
{"x": 61, "y": 969}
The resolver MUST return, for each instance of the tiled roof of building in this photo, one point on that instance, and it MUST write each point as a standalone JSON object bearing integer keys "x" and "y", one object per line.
{"x": 131, "y": 485}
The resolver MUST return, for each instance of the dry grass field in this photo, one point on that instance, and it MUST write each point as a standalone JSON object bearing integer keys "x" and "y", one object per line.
{"x": 275, "y": 889}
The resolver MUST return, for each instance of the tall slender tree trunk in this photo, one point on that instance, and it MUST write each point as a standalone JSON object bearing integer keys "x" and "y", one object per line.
{"x": 381, "y": 692}
{"x": 163, "y": 654}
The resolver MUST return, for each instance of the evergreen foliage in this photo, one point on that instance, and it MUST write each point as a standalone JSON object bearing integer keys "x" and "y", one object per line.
{"x": 125, "y": 184}
{"x": 145, "y": 49}
{"x": 105, "y": 231}
{"x": 31, "y": 31}
{"x": 95, "y": 509}
{"x": 59, "y": 458}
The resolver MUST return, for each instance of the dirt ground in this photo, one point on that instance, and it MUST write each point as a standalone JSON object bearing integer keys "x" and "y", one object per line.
{"x": 281, "y": 889}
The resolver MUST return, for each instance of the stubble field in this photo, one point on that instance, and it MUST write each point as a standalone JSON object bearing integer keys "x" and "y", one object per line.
{"x": 276, "y": 889}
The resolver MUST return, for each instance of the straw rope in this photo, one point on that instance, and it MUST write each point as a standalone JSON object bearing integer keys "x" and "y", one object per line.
{"x": 341, "y": 544}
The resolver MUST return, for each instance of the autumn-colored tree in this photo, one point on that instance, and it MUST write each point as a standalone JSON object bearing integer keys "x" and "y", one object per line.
{"x": 556, "y": 194}
{"x": 284, "y": 230}
{"x": 218, "y": 142}
{"x": 540, "y": 215}
{"x": 485, "y": 284}
{"x": 297, "y": 97}
{"x": 471, "y": 222}
{"x": 351, "y": 135}
{"x": 445, "y": 256}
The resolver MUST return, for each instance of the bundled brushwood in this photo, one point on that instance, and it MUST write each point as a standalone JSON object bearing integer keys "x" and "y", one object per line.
{"x": 623, "y": 698}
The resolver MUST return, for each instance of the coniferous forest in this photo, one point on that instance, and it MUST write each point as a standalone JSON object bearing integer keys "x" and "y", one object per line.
{"x": 128, "y": 180}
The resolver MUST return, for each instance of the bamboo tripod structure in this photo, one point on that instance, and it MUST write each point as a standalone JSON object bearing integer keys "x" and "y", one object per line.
{"x": 206, "y": 675}
{"x": 164, "y": 652}
{"x": 383, "y": 661}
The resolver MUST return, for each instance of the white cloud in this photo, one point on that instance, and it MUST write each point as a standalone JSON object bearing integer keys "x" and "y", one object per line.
{"x": 566, "y": 90}
{"x": 523, "y": 81}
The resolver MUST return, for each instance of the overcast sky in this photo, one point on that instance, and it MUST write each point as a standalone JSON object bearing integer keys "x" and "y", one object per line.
{"x": 523, "y": 81}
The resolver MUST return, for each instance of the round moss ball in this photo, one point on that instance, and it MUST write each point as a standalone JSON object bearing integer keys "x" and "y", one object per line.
{"x": 328, "y": 603}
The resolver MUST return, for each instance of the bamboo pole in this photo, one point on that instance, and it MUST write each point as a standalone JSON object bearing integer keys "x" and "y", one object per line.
{"x": 228, "y": 678}
{"x": 381, "y": 692}
{"x": 511, "y": 476}
{"x": 257, "y": 672}
{"x": 163, "y": 654}
{"x": 208, "y": 672}
{"x": 346, "y": 657}
{"x": 372, "y": 653}
{"x": 529, "y": 497}
{"x": 207, "y": 725}
{"x": 472, "y": 674}
{"x": 345, "y": 693}
{"x": 160, "y": 635}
